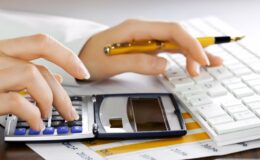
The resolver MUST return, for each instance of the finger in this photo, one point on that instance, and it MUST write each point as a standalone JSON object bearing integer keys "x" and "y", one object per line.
{"x": 61, "y": 100}
{"x": 43, "y": 46}
{"x": 192, "y": 67}
{"x": 13, "y": 103}
{"x": 20, "y": 77}
{"x": 139, "y": 30}
{"x": 140, "y": 63}
{"x": 214, "y": 60}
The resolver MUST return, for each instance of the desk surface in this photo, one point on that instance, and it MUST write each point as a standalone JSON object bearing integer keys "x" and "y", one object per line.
{"x": 239, "y": 13}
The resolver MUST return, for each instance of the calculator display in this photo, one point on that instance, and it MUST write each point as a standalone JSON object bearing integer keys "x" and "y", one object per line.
{"x": 147, "y": 114}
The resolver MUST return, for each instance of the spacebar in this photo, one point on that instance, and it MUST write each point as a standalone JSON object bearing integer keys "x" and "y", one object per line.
{"x": 237, "y": 126}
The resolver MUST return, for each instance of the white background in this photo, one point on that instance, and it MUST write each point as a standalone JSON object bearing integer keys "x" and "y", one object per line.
{"x": 242, "y": 14}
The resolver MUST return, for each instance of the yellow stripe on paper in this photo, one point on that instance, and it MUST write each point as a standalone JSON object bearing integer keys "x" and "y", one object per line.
{"x": 97, "y": 142}
{"x": 153, "y": 144}
{"x": 192, "y": 125}
{"x": 186, "y": 115}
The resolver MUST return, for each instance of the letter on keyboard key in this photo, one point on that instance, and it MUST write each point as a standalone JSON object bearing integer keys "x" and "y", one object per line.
{"x": 199, "y": 100}
{"x": 211, "y": 111}
{"x": 237, "y": 126}
{"x": 219, "y": 120}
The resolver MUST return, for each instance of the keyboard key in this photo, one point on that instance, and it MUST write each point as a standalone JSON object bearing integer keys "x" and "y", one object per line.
{"x": 251, "y": 99}
{"x": 244, "y": 115}
{"x": 181, "y": 82}
{"x": 227, "y": 102}
{"x": 235, "y": 86}
{"x": 76, "y": 129}
{"x": 48, "y": 131}
{"x": 203, "y": 77}
{"x": 20, "y": 131}
{"x": 63, "y": 130}
{"x": 242, "y": 92}
{"x": 219, "y": 120}
{"x": 33, "y": 132}
{"x": 211, "y": 111}
{"x": 255, "y": 67}
{"x": 220, "y": 73}
{"x": 199, "y": 100}
{"x": 237, "y": 126}
{"x": 254, "y": 105}
{"x": 234, "y": 109}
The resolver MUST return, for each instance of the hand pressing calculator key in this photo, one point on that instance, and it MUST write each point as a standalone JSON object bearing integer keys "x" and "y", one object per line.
{"x": 107, "y": 116}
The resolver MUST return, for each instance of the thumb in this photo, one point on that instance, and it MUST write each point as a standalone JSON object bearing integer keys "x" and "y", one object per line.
{"x": 144, "y": 64}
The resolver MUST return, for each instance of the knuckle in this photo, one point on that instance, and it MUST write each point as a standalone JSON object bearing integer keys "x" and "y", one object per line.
{"x": 15, "y": 101}
{"x": 30, "y": 71}
{"x": 176, "y": 25}
{"x": 43, "y": 41}
{"x": 130, "y": 22}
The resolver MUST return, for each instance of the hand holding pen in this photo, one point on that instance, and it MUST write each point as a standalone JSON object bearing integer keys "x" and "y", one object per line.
{"x": 102, "y": 66}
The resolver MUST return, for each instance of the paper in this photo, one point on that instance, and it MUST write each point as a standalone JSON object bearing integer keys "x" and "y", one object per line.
{"x": 195, "y": 144}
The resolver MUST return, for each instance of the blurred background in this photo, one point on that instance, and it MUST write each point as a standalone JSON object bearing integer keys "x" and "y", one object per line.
{"x": 242, "y": 14}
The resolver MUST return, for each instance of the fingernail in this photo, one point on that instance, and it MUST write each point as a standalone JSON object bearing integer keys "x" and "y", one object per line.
{"x": 168, "y": 65}
{"x": 197, "y": 68}
{"x": 74, "y": 114}
{"x": 42, "y": 126}
{"x": 82, "y": 69}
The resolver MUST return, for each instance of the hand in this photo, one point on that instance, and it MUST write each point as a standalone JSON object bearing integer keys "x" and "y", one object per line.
{"x": 102, "y": 66}
{"x": 18, "y": 73}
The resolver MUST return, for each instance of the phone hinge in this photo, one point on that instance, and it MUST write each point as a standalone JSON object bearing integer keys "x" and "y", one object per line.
{"x": 94, "y": 99}
{"x": 95, "y": 128}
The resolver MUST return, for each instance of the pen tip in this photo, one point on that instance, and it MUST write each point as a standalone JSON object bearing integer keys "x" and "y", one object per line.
{"x": 238, "y": 38}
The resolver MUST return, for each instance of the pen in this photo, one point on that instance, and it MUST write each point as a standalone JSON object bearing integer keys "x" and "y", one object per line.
{"x": 155, "y": 45}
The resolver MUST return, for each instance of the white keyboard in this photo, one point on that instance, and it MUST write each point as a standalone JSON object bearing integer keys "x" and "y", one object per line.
{"x": 225, "y": 100}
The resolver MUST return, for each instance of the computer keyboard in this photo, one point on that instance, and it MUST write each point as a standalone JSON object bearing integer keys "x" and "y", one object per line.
{"x": 225, "y": 100}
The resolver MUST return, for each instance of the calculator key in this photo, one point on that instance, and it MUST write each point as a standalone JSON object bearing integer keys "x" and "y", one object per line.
{"x": 33, "y": 132}
{"x": 74, "y": 123}
{"x": 55, "y": 113}
{"x": 76, "y": 103}
{"x": 57, "y": 118}
{"x": 48, "y": 131}
{"x": 22, "y": 125}
{"x": 56, "y": 123}
{"x": 63, "y": 130}
{"x": 76, "y": 98}
{"x": 20, "y": 131}
{"x": 76, "y": 129}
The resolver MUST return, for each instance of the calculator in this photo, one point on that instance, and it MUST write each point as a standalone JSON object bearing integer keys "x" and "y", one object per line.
{"x": 108, "y": 116}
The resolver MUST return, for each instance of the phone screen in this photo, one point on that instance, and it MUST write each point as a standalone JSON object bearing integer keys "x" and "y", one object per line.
{"x": 147, "y": 114}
